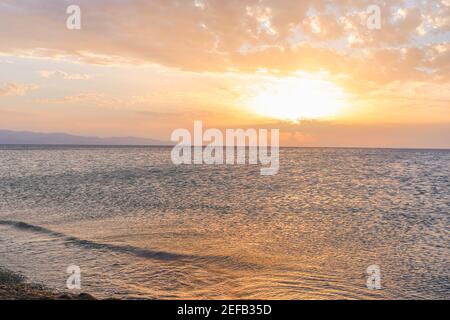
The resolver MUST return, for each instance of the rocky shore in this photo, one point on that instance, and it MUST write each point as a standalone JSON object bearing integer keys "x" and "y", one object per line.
{"x": 14, "y": 287}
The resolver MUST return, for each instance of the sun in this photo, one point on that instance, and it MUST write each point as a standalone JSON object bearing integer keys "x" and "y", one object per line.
{"x": 295, "y": 98}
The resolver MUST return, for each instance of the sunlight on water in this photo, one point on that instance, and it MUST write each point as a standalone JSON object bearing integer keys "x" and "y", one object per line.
{"x": 140, "y": 227}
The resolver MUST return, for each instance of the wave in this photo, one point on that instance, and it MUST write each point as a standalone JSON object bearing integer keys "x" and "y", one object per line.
{"x": 128, "y": 249}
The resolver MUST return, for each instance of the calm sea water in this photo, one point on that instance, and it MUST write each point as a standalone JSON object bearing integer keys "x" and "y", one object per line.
{"x": 140, "y": 227}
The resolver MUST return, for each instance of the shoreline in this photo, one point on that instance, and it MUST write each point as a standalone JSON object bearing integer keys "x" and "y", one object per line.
{"x": 14, "y": 286}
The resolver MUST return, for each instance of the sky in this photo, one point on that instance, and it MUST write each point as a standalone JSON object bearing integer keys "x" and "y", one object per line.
{"x": 314, "y": 69}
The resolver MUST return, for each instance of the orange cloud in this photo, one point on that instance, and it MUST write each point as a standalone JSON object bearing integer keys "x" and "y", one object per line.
{"x": 243, "y": 35}
{"x": 14, "y": 89}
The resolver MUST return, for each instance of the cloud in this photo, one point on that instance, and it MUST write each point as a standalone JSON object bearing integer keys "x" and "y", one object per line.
{"x": 239, "y": 35}
{"x": 64, "y": 75}
{"x": 14, "y": 89}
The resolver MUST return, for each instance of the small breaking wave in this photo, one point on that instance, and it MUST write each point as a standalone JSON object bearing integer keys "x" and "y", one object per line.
{"x": 127, "y": 249}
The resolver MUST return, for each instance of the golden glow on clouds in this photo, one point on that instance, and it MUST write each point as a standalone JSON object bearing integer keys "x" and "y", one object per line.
{"x": 295, "y": 98}
{"x": 245, "y": 63}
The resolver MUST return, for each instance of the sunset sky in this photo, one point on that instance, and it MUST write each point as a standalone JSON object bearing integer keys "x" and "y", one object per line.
{"x": 311, "y": 68}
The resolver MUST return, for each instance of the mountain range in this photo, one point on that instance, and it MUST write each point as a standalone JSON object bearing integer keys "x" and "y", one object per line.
{"x": 37, "y": 138}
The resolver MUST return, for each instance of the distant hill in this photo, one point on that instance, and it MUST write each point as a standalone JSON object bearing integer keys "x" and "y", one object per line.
{"x": 26, "y": 137}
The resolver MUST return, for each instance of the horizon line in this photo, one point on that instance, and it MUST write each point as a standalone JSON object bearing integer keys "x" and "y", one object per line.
{"x": 204, "y": 146}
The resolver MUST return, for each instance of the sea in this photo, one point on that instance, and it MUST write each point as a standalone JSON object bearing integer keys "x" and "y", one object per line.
{"x": 139, "y": 227}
